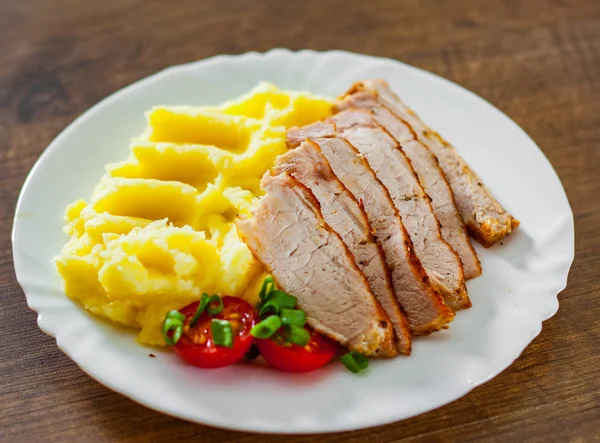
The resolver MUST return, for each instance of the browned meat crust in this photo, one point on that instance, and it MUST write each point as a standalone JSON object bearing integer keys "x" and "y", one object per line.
{"x": 423, "y": 306}
{"x": 343, "y": 213}
{"x": 430, "y": 174}
{"x": 486, "y": 220}
{"x": 395, "y": 171}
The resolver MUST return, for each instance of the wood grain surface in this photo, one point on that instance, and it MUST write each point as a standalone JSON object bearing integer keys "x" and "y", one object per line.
{"x": 537, "y": 60}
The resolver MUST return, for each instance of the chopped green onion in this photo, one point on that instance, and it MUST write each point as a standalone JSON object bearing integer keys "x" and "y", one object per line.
{"x": 355, "y": 361}
{"x": 294, "y": 317}
{"x": 201, "y": 307}
{"x": 176, "y": 314}
{"x": 173, "y": 323}
{"x": 269, "y": 305}
{"x": 283, "y": 299}
{"x": 212, "y": 311}
{"x": 222, "y": 333}
{"x": 275, "y": 301}
{"x": 297, "y": 335}
{"x": 267, "y": 327}
{"x": 266, "y": 288}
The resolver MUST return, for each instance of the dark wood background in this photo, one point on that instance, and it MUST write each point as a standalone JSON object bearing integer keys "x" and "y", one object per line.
{"x": 537, "y": 60}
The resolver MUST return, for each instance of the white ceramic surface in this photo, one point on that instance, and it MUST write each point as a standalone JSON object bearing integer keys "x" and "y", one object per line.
{"x": 518, "y": 289}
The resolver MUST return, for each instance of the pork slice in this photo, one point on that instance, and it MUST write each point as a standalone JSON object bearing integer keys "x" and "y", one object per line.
{"x": 486, "y": 219}
{"x": 420, "y": 302}
{"x": 295, "y": 136}
{"x": 430, "y": 175}
{"x": 395, "y": 171}
{"x": 342, "y": 212}
{"x": 308, "y": 259}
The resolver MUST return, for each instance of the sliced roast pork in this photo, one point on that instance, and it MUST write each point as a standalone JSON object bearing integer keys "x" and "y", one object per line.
{"x": 420, "y": 302}
{"x": 430, "y": 176}
{"x": 394, "y": 170}
{"x": 486, "y": 219}
{"x": 344, "y": 214}
{"x": 308, "y": 259}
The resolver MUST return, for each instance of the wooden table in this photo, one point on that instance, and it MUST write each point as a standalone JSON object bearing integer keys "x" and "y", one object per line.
{"x": 537, "y": 60}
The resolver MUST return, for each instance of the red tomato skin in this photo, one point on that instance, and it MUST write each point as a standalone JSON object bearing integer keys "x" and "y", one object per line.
{"x": 213, "y": 357}
{"x": 208, "y": 355}
{"x": 294, "y": 358}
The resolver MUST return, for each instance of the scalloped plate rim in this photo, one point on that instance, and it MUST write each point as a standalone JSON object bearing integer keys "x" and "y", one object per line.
{"x": 31, "y": 294}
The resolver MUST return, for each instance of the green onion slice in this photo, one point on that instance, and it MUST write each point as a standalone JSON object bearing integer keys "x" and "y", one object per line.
{"x": 297, "y": 335}
{"x": 273, "y": 300}
{"x": 293, "y": 317}
{"x": 173, "y": 323}
{"x": 267, "y": 327}
{"x": 277, "y": 301}
{"x": 283, "y": 299}
{"x": 204, "y": 300}
{"x": 355, "y": 361}
{"x": 269, "y": 306}
{"x": 266, "y": 288}
{"x": 214, "y": 310}
{"x": 222, "y": 333}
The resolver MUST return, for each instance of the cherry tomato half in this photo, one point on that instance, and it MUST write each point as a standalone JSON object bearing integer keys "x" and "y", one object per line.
{"x": 293, "y": 358}
{"x": 196, "y": 345}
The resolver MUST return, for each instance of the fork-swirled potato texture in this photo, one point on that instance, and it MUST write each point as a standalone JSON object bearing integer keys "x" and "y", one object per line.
{"x": 158, "y": 229}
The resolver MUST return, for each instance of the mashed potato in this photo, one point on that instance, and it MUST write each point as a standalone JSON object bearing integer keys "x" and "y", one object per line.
{"x": 158, "y": 229}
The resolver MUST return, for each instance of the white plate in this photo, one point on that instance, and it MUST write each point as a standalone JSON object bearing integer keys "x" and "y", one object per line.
{"x": 518, "y": 289}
